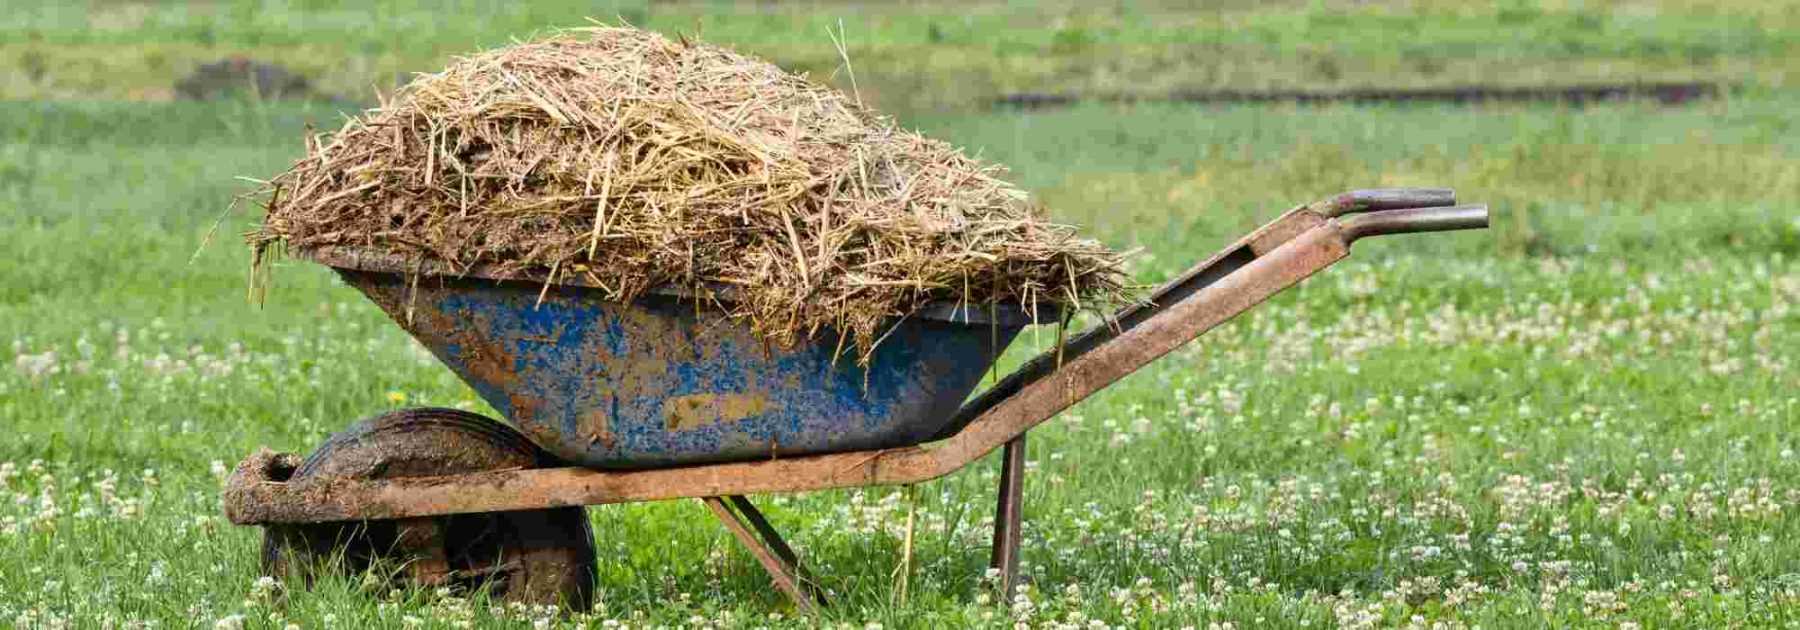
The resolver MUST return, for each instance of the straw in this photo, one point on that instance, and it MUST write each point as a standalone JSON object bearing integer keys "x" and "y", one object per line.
{"x": 638, "y": 162}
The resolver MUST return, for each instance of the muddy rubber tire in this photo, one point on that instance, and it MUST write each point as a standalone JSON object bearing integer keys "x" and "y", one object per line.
{"x": 532, "y": 557}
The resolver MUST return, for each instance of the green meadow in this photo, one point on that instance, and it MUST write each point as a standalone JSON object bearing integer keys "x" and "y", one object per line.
{"x": 1578, "y": 418}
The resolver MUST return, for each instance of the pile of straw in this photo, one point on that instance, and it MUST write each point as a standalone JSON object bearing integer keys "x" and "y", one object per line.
{"x": 632, "y": 161}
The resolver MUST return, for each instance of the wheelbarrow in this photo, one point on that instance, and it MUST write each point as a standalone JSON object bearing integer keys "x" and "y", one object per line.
{"x": 659, "y": 399}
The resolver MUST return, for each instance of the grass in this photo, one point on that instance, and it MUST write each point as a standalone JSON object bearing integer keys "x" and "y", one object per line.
{"x": 1576, "y": 419}
{"x": 935, "y": 56}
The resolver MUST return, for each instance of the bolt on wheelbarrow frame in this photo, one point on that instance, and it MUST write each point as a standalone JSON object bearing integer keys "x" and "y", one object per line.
{"x": 1267, "y": 261}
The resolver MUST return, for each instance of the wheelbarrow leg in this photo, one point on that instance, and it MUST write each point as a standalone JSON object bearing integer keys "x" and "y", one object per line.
{"x": 423, "y": 540}
{"x": 1008, "y": 517}
{"x": 747, "y": 524}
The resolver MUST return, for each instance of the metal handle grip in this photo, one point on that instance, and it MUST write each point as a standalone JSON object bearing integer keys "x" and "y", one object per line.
{"x": 1470, "y": 217}
{"x": 1374, "y": 199}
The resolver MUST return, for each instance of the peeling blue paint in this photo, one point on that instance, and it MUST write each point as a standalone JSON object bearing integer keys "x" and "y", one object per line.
{"x": 654, "y": 384}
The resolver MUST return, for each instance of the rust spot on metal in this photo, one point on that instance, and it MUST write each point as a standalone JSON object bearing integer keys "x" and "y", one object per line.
{"x": 694, "y": 411}
{"x": 597, "y": 425}
{"x": 484, "y": 358}
{"x": 241, "y": 498}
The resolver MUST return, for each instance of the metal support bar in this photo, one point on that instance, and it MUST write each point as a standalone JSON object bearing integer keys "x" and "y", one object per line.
{"x": 747, "y": 524}
{"x": 1009, "y": 516}
{"x": 756, "y": 519}
{"x": 421, "y": 543}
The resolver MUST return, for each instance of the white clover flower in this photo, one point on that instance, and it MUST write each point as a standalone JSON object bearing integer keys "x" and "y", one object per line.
{"x": 36, "y": 366}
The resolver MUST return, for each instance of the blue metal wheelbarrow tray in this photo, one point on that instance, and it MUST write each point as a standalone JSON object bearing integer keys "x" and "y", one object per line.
{"x": 665, "y": 380}
{"x": 665, "y": 397}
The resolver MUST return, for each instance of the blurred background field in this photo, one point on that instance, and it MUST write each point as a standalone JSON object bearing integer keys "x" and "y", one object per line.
{"x": 935, "y": 54}
{"x": 1576, "y": 418}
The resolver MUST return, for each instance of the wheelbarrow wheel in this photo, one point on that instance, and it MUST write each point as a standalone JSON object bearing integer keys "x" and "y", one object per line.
{"x": 532, "y": 557}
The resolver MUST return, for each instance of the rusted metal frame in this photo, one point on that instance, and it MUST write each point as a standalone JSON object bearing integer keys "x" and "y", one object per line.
{"x": 1009, "y": 517}
{"x": 1172, "y": 327}
{"x": 1199, "y": 276}
{"x": 252, "y": 500}
{"x": 753, "y": 531}
{"x": 1265, "y": 239}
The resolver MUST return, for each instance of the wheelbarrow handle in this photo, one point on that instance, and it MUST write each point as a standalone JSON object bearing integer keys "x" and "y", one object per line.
{"x": 1470, "y": 217}
{"x": 1375, "y": 199}
{"x": 1421, "y": 208}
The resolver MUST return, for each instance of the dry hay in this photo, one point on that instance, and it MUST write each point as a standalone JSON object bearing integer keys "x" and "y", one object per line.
{"x": 632, "y": 161}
